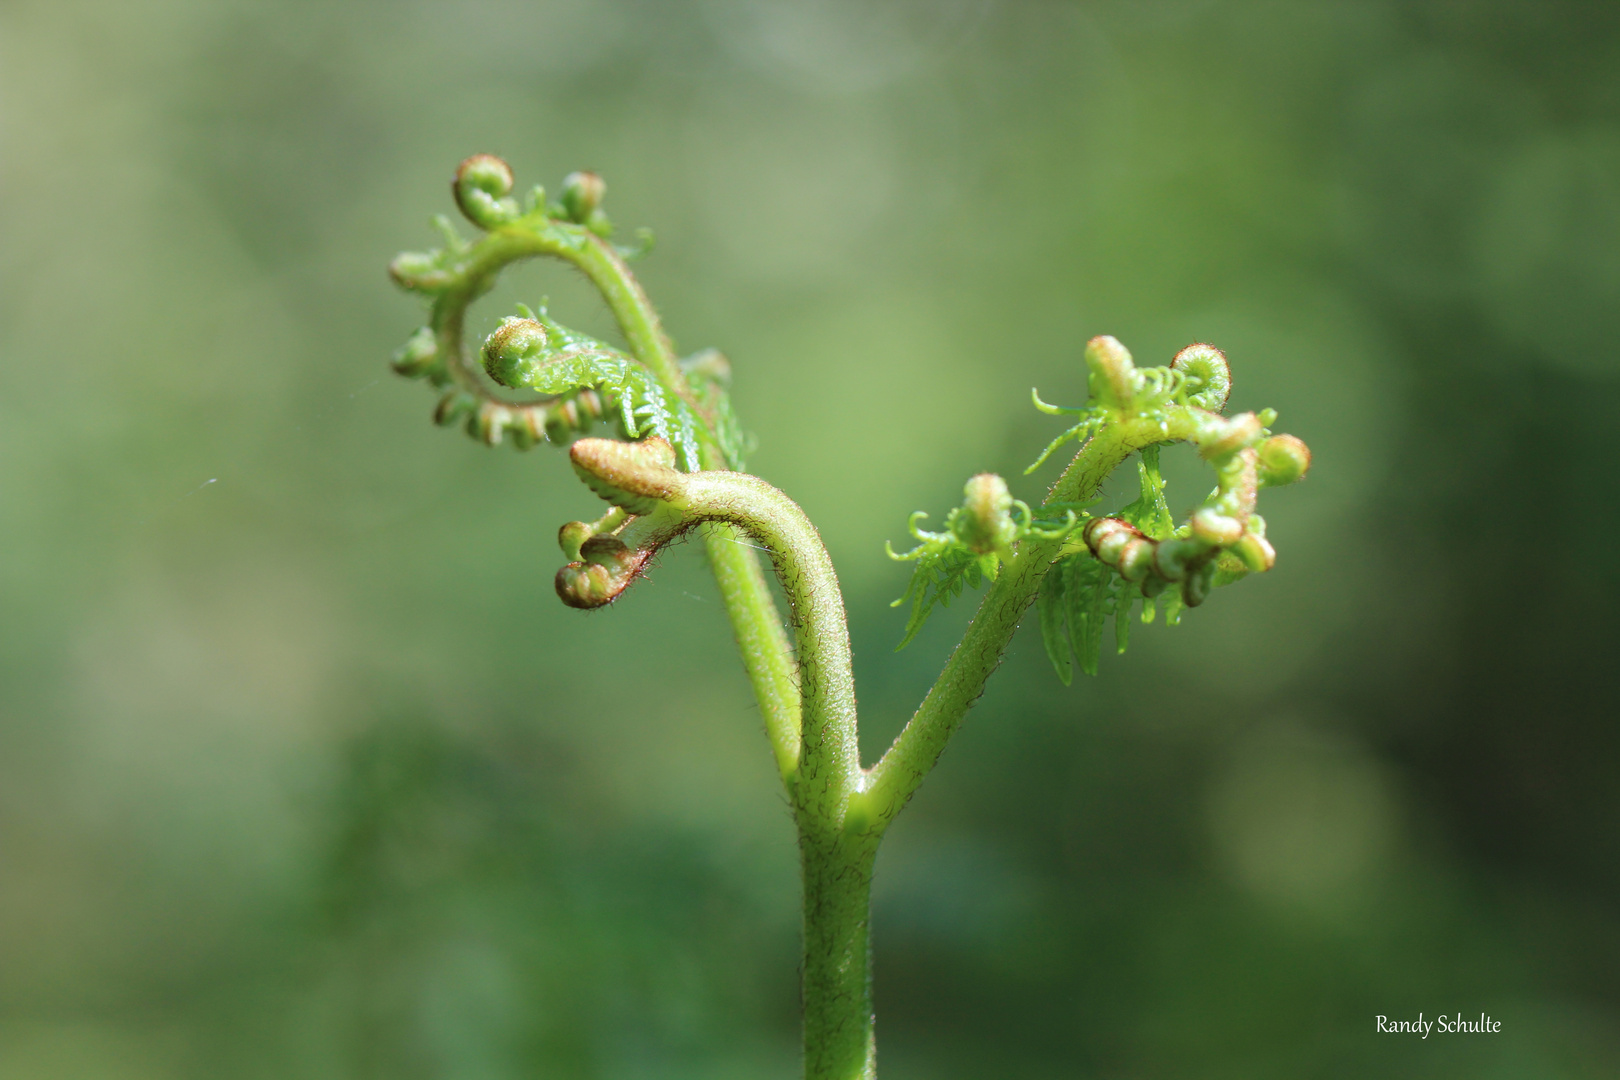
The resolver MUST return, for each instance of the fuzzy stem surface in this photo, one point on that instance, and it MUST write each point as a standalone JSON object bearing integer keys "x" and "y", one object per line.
{"x": 839, "y": 1038}
{"x": 829, "y": 755}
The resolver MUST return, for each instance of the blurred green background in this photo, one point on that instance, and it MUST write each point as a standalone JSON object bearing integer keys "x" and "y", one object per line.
{"x": 305, "y": 773}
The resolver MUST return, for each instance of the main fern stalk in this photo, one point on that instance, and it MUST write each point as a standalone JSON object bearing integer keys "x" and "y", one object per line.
{"x": 837, "y": 982}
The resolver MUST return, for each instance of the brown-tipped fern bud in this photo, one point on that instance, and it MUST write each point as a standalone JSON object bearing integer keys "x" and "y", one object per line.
{"x": 453, "y": 406}
{"x": 515, "y": 352}
{"x": 1136, "y": 559}
{"x": 1218, "y": 439}
{"x": 1108, "y": 538}
{"x": 605, "y": 568}
{"x": 490, "y": 422}
{"x": 1200, "y": 580}
{"x": 985, "y": 522}
{"x": 562, "y": 420}
{"x": 1215, "y": 528}
{"x": 420, "y": 271}
{"x": 1256, "y": 552}
{"x": 1174, "y": 557}
{"x": 482, "y": 189}
{"x": 582, "y": 194}
{"x": 1208, "y": 375}
{"x": 634, "y": 475}
{"x": 1112, "y": 378}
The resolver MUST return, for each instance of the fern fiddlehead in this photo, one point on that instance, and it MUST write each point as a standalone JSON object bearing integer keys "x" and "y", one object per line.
{"x": 576, "y": 230}
{"x": 583, "y": 380}
{"x": 1111, "y": 562}
{"x": 978, "y": 536}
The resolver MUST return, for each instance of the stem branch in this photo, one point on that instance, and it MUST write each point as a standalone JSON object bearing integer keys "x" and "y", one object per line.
{"x": 829, "y": 758}
{"x": 895, "y": 778}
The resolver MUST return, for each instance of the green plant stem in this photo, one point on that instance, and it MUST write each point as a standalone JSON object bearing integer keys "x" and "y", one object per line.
{"x": 836, "y": 854}
{"x": 839, "y": 1039}
{"x": 755, "y": 622}
{"x": 829, "y": 760}
{"x": 890, "y": 783}
{"x": 810, "y": 719}
{"x": 836, "y": 859}
{"x": 637, "y": 319}
{"x": 760, "y": 640}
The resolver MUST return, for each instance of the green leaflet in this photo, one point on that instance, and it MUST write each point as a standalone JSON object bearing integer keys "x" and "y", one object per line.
{"x": 1050, "y": 605}
{"x": 1091, "y": 418}
{"x": 1150, "y": 512}
{"x": 1080, "y": 594}
{"x": 938, "y": 579}
{"x": 970, "y": 548}
{"x": 1078, "y": 597}
{"x": 571, "y": 361}
{"x": 1090, "y": 596}
{"x": 708, "y": 373}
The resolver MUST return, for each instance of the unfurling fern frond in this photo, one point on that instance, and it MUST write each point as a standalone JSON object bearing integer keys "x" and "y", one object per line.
{"x": 675, "y": 417}
{"x": 708, "y": 373}
{"x": 534, "y": 352}
{"x": 978, "y": 536}
{"x": 941, "y": 574}
{"x": 589, "y": 381}
{"x": 1080, "y": 593}
{"x": 1139, "y": 552}
{"x": 1198, "y": 376}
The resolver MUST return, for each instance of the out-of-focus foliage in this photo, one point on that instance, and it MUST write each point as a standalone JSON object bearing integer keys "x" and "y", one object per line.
{"x": 304, "y": 772}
